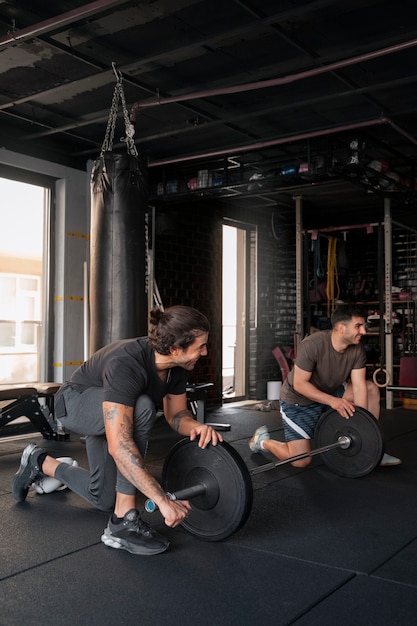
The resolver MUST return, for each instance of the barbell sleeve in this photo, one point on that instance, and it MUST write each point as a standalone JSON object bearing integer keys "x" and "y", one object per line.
{"x": 342, "y": 442}
{"x": 183, "y": 494}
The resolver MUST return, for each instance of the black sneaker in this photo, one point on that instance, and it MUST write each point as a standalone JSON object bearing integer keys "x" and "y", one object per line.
{"x": 134, "y": 535}
{"x": 28, "y": 472}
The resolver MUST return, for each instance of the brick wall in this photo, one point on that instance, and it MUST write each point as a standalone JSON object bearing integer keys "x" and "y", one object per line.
{"x": 188, "y": 267}
{"x": 276, "y": 289}
{"x": 188, "y": 271}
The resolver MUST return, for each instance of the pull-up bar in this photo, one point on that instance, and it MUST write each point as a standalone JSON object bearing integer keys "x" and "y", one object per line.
{"x": 315, "y": 231}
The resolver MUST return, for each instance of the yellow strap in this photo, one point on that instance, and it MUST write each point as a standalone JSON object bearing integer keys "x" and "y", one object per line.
{"x": 332, "y": 287}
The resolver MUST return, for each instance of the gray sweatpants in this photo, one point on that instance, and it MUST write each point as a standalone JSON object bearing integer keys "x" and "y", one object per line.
{"x": 84, "y": 415}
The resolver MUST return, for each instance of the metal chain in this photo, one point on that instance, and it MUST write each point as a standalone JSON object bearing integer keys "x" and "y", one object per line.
{"x": 118, "y": 94}
{"x": 111, "y": 123}
{"x": 130, "y": 129}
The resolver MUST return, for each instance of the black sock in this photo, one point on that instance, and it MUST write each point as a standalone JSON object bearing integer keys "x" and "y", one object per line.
{"x": 41, "y": 459}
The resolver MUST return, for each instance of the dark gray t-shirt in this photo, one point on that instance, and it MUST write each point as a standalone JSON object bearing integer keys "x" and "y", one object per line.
{"x": 126, "y": 369}
{"x": 329, "y": 368}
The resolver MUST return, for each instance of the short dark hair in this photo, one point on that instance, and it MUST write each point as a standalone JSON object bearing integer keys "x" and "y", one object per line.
{"x": 176, "y": 327}
{"x": 345, "y": 312}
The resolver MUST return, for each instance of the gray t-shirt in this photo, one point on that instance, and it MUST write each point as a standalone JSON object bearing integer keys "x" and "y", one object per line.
{"x": 329, "y": 368}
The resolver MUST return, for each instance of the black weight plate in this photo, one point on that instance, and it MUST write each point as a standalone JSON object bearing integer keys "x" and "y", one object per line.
{"x": 366, "y": 447}
{"x": 227, "y": 503}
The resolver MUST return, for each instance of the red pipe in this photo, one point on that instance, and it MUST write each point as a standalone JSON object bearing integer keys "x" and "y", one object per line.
{"x": 274, "y": 82}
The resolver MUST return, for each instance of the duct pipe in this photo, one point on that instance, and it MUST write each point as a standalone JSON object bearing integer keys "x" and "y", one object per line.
{"x": 272, "y": 142}
{"x": 59, "y": 21}
{"x": 274, "y": 82}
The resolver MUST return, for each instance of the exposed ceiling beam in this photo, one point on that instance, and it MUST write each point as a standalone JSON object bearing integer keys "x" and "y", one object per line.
{"x": 59, "y": 21}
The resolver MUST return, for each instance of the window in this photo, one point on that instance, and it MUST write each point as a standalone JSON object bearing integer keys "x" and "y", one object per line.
{"x": 23, "y": 212}
{"x": 20, "y": 315}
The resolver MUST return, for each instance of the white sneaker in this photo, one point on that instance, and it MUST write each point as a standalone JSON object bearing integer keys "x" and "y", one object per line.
{"x": 260, "y": 434}
{"x": 47, "y": 484}
{"x": 389, "y": 461}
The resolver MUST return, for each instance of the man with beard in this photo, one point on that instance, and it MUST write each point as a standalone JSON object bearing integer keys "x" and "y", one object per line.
{"x": 111, "y": 400}
{"x": 329, "y": 371}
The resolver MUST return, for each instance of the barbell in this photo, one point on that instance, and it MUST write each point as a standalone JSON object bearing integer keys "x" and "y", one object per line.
{"x": 219, "y": 483}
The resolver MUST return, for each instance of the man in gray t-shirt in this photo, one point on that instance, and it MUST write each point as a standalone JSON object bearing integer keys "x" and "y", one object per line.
{"x": 112, "y": 399}
{"x": 329, "y": 371}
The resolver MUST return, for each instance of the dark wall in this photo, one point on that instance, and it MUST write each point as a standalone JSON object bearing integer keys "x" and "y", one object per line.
{"x": 188, "y": 270}
{"x": 276, "y": 288}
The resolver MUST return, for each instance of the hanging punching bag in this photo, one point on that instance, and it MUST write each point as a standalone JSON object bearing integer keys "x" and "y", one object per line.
{"x": 119, "y": 201}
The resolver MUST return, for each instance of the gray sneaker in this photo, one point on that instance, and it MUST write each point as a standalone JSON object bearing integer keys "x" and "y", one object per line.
{"x": 260, "y": 434}
{"x": 28, "y": 472}
{"x": 134, "y": 535}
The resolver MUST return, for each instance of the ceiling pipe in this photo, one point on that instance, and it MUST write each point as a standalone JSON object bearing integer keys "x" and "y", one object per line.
{"x": 274, "y": 82}
{"x": 276, "y": 142}
{"x": 217, "y": 122}
{"x": 59, "y": 21}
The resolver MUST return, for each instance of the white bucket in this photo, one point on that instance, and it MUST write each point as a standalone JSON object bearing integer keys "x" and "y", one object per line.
{"x": 273, "y": 389}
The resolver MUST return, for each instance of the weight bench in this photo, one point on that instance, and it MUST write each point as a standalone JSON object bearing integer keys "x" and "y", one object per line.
{"x": 197, "y": 396}
{"x": 25, "y": 403}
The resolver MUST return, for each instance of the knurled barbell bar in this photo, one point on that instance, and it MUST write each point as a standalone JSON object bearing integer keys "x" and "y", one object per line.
{"x": 342, "y": 442}
{"x": 219, "y": 483}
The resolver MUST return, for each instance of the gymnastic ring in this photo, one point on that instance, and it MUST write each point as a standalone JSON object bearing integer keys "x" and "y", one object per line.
{"x": 387, "y": 377}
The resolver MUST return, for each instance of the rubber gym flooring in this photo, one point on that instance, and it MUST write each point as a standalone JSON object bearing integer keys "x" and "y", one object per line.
{"x": 317, "y": 549}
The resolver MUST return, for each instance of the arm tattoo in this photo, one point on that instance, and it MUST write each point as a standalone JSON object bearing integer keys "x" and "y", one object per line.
{"x": 110, "y": 413}
{"x": 119, "y": 419}
{"x": 126, "y": 428}
{"x": 175, "y": 423}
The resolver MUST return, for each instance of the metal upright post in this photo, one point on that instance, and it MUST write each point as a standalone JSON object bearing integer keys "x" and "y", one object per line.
{"x": 388, "y": 297}
{"x": 299, "y": 264}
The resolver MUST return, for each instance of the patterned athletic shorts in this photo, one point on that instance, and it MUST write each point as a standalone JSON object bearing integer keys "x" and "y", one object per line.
{"x": 300, "y": 421}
